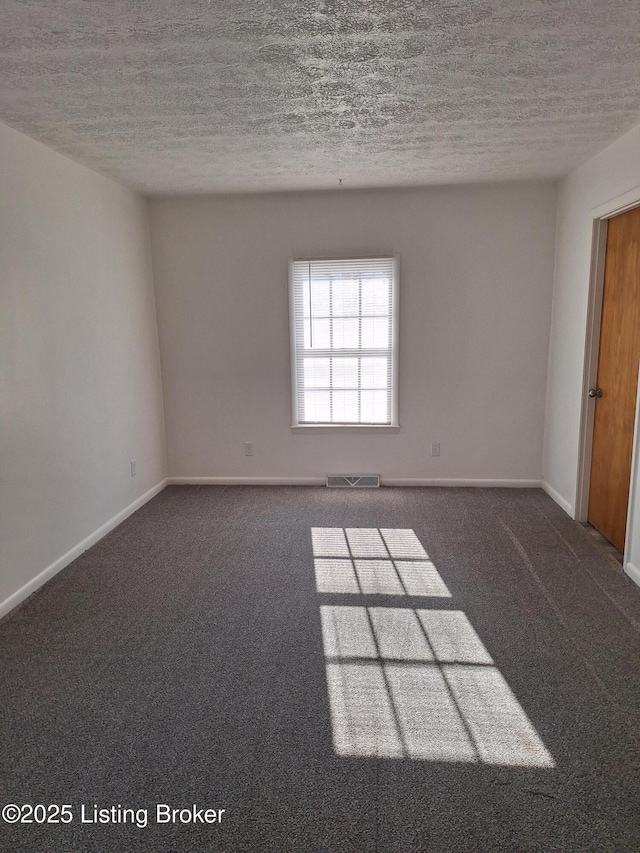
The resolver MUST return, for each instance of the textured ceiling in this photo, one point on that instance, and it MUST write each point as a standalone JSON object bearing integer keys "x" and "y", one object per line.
{"x": 232, "y": 95}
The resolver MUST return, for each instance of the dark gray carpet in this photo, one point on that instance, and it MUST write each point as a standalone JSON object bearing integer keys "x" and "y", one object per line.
{"x": 180, "y": 661}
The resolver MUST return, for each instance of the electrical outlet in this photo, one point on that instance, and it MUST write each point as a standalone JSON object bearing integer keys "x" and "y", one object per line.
{"x": 435, "y": 448}
{"x": 133, "y": 467}
{"x": 248, "y": 448}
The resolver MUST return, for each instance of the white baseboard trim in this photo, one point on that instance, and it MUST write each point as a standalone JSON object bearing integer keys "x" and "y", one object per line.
{"x": 633, "y": 572}
{"x": 246, "y": 481}
{"x": 461, "y": 483}
{"x": 557, "y": 497}
{"x": 320, "y": 481}
{"x": 62, "y": 562}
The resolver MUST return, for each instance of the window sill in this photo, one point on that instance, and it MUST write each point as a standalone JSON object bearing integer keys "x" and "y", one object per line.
{"x": 344, "y": 428}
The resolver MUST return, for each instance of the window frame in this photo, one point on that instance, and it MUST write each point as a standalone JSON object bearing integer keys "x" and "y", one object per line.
{"x": 394, "y": 349}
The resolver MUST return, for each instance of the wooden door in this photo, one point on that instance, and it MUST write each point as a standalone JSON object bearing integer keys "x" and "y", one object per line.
{"x": 617, "y": 379}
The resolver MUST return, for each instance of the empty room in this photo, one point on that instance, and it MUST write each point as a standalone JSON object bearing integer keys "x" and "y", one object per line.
{"x": 319, "y": 447}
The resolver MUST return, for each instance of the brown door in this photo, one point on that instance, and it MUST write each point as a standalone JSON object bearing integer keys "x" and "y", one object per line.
{"x": 617, "y": 379}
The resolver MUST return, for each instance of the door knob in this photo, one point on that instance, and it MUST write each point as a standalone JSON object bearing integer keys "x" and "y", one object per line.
{"x": 595, "y": 392}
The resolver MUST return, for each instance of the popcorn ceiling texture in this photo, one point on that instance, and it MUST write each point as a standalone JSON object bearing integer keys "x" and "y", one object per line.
{"x": 236, "y": 95}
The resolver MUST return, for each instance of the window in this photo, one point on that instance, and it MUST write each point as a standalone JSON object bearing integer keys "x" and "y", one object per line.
{"x": 344, "y": 342}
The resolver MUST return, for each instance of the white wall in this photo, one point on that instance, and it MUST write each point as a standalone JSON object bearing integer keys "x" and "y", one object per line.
{"x": 612, "y": 173}
{"x": 475, "y": 293}
{"x": 80, "y": 391}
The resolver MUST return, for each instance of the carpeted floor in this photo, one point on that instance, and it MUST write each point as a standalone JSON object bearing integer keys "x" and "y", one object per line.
{"x": 481, "y": 696}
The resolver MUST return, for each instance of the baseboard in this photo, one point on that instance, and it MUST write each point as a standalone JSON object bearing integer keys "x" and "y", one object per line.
{"x": 320, "y": 481}
{"x": 557, "y": 497}
{"x": 461, "y": 483}
{"x": 35, "y": 583}
{"x": 246, "y": 481}
{"x": 633, "y": 572}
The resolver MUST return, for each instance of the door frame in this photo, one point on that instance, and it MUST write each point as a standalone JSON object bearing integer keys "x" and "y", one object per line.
{"x": 599, "y": 223}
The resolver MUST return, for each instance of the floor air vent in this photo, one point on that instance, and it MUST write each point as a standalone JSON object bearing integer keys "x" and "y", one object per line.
{"x": 353, "y": 481}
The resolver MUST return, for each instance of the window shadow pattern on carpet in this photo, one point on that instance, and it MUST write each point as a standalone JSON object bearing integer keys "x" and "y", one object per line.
{"x": 407, "y": 681}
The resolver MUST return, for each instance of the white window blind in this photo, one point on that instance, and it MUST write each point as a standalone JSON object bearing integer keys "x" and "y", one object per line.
{"x": 344, "y": 341}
